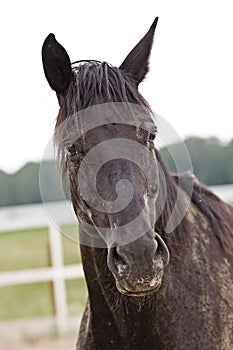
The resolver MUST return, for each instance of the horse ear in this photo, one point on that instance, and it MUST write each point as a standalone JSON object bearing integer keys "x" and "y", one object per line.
{"x": 57, "y": 65}
{"x": 137, "y": 61}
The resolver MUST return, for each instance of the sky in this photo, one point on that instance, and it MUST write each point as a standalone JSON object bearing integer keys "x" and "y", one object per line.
{"x": 190, "y": 83}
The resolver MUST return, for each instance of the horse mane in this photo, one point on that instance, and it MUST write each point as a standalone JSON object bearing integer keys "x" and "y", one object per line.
{"x": 218, "y": 213}
{"x": 176, "y": 239}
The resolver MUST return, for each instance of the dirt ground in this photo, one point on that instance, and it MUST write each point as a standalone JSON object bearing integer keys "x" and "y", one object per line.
{"x": 67, "y": 343}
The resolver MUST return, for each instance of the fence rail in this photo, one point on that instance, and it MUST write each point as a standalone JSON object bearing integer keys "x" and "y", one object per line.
{"x": 26, "y": 217}
{"x": 40, "y": 275}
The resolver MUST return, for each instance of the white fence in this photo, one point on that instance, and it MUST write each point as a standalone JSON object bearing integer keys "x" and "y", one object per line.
{"x": 35, "y": 216}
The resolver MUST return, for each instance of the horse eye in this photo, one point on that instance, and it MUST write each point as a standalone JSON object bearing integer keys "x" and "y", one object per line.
{"x": 152, "y": 137}
{"x": 71, "y": 151}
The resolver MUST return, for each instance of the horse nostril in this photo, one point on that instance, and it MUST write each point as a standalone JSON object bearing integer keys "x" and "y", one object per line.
{"x": 162, "y": 249}
{"x": 116, "y": 263}
{"x": 120, "y": 263}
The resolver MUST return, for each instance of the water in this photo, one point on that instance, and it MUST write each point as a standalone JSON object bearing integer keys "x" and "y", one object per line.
{"x": 225, "y": 192}
{"x": 36, "y": 215}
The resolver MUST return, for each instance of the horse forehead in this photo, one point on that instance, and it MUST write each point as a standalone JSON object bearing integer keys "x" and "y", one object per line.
{"x": 112, "y": 130}
{"x": 116, "y": 168}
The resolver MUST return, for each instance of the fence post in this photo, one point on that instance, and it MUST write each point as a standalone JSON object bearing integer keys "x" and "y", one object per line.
{"x": 59, "y": 287}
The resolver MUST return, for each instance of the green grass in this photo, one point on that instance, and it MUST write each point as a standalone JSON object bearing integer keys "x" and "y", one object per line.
{"x": 27, "y": 300}
{"x": 35, "y": 300}
{"x": 70, "y": 247}
{"x": 30, "y": 249}
{"x": 77, "y": 295}
{"x": 24, "y": 249}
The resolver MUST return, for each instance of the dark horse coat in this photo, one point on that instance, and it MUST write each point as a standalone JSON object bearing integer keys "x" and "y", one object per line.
{"x": 138, "y": 299}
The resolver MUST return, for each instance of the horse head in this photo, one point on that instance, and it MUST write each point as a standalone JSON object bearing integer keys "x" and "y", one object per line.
{"x": 104, "y": 134}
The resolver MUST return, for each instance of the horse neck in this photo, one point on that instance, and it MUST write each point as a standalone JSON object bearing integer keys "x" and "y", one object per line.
{"x": 109, "y": 310}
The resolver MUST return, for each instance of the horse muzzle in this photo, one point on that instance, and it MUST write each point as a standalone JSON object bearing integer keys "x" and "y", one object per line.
{"x": 138, "y": 267}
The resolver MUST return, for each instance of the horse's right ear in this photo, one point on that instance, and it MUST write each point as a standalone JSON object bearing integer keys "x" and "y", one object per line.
{"x": 57, "y": 65}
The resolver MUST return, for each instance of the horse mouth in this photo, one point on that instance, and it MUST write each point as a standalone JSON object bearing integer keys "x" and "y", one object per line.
{"x": 138, "y": 293}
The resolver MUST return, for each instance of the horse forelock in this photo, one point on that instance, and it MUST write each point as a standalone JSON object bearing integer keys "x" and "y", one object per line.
{"x": 94, "y": 83}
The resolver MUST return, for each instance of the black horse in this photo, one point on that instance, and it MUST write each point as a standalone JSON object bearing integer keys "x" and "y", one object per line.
{"x": 148, "y": 288}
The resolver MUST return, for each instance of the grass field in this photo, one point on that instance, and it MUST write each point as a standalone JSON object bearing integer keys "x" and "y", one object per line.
{"x": 30, "y": 249}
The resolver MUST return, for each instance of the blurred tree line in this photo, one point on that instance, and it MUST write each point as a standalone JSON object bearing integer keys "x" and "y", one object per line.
{"x": 212, "y": 160}
{"x": 23, "y": 187}
{"x": 212, "y": 164}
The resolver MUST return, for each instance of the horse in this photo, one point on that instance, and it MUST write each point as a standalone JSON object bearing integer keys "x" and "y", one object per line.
{"x": 148, "y": 287}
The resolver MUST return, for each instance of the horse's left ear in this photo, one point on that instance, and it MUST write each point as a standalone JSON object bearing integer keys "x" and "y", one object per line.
{"x": 137, "y": 61}
{"x": 57, "y": 65}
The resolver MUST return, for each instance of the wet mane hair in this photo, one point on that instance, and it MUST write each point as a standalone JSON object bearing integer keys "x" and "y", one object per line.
{"x": 94, "y": 83}
{"x": 217, "y": 212}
